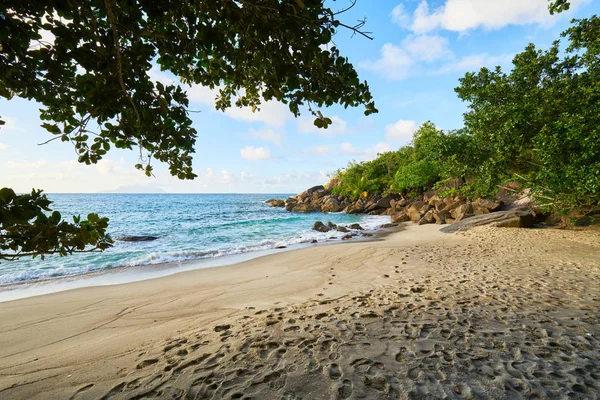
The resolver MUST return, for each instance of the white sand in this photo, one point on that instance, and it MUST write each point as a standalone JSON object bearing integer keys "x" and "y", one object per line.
{"x": 492, "y": 313}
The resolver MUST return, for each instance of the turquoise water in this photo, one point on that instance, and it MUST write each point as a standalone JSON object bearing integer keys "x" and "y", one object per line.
{"x": 189, "y": 227}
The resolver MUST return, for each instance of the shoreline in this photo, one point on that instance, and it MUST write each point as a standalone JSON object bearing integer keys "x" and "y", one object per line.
{"x": 139, "y": 273}
{"x": 490, "y": 313}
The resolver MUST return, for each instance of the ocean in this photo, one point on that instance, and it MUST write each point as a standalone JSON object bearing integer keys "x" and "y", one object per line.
{"x": 189, "y": 227}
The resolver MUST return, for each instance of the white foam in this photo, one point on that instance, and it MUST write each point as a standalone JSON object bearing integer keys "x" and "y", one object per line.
{"x": 368, "y": 222}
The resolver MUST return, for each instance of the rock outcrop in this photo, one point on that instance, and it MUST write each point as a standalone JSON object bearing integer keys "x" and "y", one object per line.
{"x": 430, "y": 208}
{"x": 276, "y": 202}
{"x": 137, "y": 238}
{"x": 320, "y": 227}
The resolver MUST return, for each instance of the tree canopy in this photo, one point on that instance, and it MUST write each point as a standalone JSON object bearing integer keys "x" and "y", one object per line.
{"x": 538, "y": 124}
{"x": 94, "y": 80}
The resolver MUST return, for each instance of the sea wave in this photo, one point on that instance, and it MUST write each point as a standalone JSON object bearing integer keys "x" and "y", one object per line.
{"x": 190, "y": 228}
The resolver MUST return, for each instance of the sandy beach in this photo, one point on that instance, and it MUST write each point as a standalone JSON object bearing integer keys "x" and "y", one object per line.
{"x": 490, "y": 313}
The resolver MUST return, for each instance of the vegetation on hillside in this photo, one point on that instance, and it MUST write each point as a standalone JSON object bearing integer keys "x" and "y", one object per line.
{"x": 538, "y": 125}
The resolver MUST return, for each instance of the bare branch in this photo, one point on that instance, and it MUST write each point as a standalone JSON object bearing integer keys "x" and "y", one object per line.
{"x": 113, "y": 25}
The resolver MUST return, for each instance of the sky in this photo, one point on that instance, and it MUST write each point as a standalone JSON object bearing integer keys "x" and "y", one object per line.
{"x": 419, "y": 51}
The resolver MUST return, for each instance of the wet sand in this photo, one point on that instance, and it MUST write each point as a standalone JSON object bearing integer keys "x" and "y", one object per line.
{"x": 491, "y": 313}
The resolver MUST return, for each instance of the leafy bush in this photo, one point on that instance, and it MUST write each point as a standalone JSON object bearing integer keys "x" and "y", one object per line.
{"x": 538, "y": 125}
{"x": 416, "y": 176}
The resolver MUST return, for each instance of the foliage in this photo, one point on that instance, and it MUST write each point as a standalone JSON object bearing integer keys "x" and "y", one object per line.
{"x": 96, "y": 89}
{"x": 98, "y": 70}
{"x": 540, "y": 123}
{"x": 26, "y": 230}
{"x": 418, "y": 174}
{"x": 370, "y": 177}
{"x": 558, "y": 6}
{"x": 410, "y": 169}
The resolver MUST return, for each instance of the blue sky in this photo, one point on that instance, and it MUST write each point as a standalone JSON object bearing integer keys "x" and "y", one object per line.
{"x": 421, "y": 49}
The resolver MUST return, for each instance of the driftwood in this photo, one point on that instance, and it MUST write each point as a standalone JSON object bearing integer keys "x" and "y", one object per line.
{"x": 500, "y": 219}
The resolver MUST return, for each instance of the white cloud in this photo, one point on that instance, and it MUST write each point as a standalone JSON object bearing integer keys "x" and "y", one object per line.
{"x": 321, "y": 150}
{"x": 268, "y": 135}
{"x": 427, "y": 48}
{"x": 372, "y": 152}
{"x": 382, "y": 148}
{"x": 71, "y": 176}
{"x": 3, "y": 147}
{"x": 244, "y": 176}
{"x": 475, "y": 62}
{"x": 271, "y": 113}
{"x": 464, "y": 15}
{"x": 32, "y": 165}
{"x": 401, "y": 131}
{"x": 10, "y": 125}
{"x": 209, "y": 173}
{"x": 365, "y": 154}
{"x": 398, "y": 62}
{"x": 202, "y": 94}
{"x": 428, "y": 55}
{"x": 348, "y": 148}
{"x": 337, "y": 127}
{"x": 255, "y": 153}
{"x": 226, "y": 176}
{"x": 395, "y": 63}
{"x": 400, "y": 16}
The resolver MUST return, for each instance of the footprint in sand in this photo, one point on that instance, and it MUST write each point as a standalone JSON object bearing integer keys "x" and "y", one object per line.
{"x": 334, "y": 372}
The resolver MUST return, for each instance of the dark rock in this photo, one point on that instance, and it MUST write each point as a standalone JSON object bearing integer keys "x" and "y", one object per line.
{"x": 318, "y": 195}
{"x": 314, "y": 241}
{"x": 553, "y": 220}
{"x": 320, "y": 227}
{"x": 138, "y": 238}
{"x": 441, "y": 217}
{"x": 491, "y": 205}
{"x": 355, "y": 208}
{"x": 281, "y": 247}
{"x": 347, "y": 237}
{"x": 355, "y": 226}
{"x": 307, "y": 195}
{"x": 331, "y": 204}
{"x": 384, "y": 202}
{"x": 367, "y": 234}
{"x": 386, "y": 226}
{"x": 400, "y": 217}
{"x": 290, "y": 203}
{"x": 500, "y": 219}
{"x": 461, "y": 211}
{"x": 331, "y": 225}
{"x": 428, "y": 217}
{"x": 509, "y": 192}
{"x": 479, "y": 210}
{"x": 438, "y": 204}
{"x": 377, "y": 211}
{"x": 413, "y": 214}
{"x": 583, "y": 221}
{"x": 398, "y": 203}
{"x": 452, "y": 204}
{"x": 419, "y": 206}
{"x": 315, "y": 189}
{"x": 276, "y": 203}
{"x": 342, "y": 229}
{"x": 430, "y": 195}
{"x": 303, "y": 208}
